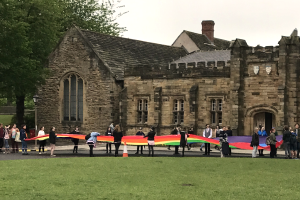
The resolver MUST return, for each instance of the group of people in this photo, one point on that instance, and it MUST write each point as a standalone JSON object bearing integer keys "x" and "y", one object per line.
{"x": 12, "y": 135}
{"x": 117, "y": 134}
{"x": 291, "y": 141}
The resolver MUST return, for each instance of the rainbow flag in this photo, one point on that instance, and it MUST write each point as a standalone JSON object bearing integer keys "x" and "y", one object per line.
{"x": 240, "y": 142}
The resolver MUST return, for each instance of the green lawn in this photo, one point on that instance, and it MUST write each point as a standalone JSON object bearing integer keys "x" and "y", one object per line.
{"x": 150, "y": 178}
{"x": 5, "y": 119}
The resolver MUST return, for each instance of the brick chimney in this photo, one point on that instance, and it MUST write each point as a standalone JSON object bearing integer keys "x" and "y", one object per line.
{"x": 208, "y": 29}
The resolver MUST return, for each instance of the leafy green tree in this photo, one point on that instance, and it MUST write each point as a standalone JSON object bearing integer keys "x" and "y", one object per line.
{"x": 30, "y": 29}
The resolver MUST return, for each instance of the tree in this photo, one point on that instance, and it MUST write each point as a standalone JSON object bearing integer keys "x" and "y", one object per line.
{"x": 29, "y": 30}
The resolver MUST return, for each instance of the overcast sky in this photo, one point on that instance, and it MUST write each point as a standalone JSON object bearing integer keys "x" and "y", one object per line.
{"x": 257, "y": 21}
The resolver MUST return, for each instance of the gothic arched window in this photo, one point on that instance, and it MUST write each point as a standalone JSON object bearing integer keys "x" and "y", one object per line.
{"x": 73, "y": 98}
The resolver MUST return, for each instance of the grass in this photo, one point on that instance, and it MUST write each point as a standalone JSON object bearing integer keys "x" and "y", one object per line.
{"x": 150, "y": 178}
{"x": 5, "y": 119}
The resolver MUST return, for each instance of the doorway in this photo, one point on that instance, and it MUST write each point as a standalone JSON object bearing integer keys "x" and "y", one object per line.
{"x": 265, "y": 119}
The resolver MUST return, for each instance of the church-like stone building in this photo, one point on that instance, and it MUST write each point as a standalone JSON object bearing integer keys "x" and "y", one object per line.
{"x": 97, "y": 79}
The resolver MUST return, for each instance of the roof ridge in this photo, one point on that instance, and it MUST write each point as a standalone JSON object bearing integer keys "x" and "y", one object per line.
{"x": 128, "y": 38}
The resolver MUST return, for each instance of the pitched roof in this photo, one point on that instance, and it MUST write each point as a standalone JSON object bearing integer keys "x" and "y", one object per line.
{"x": 200, "y": 56}
{"x": 118, "y": 52}
{"x": 203, "y": 43}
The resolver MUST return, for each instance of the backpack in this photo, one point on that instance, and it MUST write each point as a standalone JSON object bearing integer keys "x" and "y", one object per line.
{"x": 87, "y": 136}
{"x": 268, "y": 140}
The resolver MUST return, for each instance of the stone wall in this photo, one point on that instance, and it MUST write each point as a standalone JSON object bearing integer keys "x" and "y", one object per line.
{"x": 197, "y": 94}
{"x": 100, "y": 91}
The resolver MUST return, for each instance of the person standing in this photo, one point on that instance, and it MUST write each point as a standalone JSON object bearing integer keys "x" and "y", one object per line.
{"x": 139, "y": 133}
{"x": 23, "y": 136}
{"x": 222, "y": 138}
{"x": 262, "y": 132}
{"x": 42, "y": 142}
{"x": 276, "y": 134}
{"x": 286, "y": 141}
{"x": 255, "y": 142}
{"x": 151, "y": 142}
{"x": 173, "y": 132}
{"x": 92, "y": 142}
{"x": 183, "y": 141}
{"x": 229, "y": 134}
{"x": 1, "y": 136}
{"x": 108, "y": 133}
{"x": 52, "y": 139}
{"x": 6, "y": 138}
{"x": 75, "y": 140}
{"x": 207, "y": 133}
{"x": 14, "y": 144}
{"x": 298, "y": 138}
{"x": 191, "y": 131}
{"x": 272, "y": 143}
{"x": 177, "y": 132}
{"x": 293, "y": 145}
{"x": 117, "y": 139}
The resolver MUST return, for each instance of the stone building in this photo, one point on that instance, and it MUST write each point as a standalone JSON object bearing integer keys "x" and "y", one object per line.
{"x": 97, "y": 79}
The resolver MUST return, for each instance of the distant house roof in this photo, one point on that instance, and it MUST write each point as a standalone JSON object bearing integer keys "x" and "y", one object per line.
{"x": 118, "y": 52}
{"x": 200, "y": 56}
{"x": 203, "y": 43}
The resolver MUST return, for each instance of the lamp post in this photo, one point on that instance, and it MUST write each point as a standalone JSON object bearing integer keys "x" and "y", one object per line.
{"x": 35, "y": 100}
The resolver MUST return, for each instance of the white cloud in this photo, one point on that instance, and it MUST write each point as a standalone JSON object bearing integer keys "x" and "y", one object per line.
{"x": 257, "y": 21}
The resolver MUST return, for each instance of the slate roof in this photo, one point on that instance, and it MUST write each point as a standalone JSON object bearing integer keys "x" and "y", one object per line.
{"x": 118, "y": 52}
{"x": 203, "y": 43}
{"x": 200, "y": 56}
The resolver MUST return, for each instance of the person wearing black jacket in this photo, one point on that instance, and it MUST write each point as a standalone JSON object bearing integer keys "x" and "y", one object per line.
{"x": 183, "y": 141}
{"x": 255, "y": 142}
{"x": 108, "y": 133}
{"x": 139, "y": 133}
{"x": 223, "y": 136}
{"x": 23, "y": 136}
{"x": 117, "y": 138}
{"x": 176, "y": 132}
{"x": 286, "y": 141}
{"x": 229, "y": 134}
{"x": 151, "y": 142}
{"x": 75, "y": 140}
{"x": 52, "y": 139}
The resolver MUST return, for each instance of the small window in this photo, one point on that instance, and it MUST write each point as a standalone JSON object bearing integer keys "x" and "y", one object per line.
{"x": 176, "y": 105}
{"x": 213, "y": 117}
{"x": 220, "y": 118}
{"x": 140, "y": 105}
{"x": 181, "y": 105}
{"x": 216, "y": 111}
{"x": 142, "y": 111}
{"x": 220, "y": 105}
{"x": 146, "y": 117}
{"x": 213, "y": 105}
{"x": 146, "y": 105}
{"x": 175, "y": 117}
{"x": 178, "y": 113}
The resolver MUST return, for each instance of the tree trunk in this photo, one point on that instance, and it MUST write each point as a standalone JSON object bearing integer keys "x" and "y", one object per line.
{"x": 20, "y": 109}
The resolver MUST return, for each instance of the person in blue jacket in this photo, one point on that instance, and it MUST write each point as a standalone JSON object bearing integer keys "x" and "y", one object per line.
{"x": 262, "y": 132}
{"x": 23, "y": 136}
{"x": 92, "y": 142}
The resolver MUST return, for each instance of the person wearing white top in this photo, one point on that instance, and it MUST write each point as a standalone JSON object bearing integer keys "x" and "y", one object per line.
{"x": 42, "y": 142}
{"x": 207, "y": 133}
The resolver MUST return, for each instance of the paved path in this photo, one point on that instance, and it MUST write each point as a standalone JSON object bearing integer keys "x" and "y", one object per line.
{"x": 99, "y": 151}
